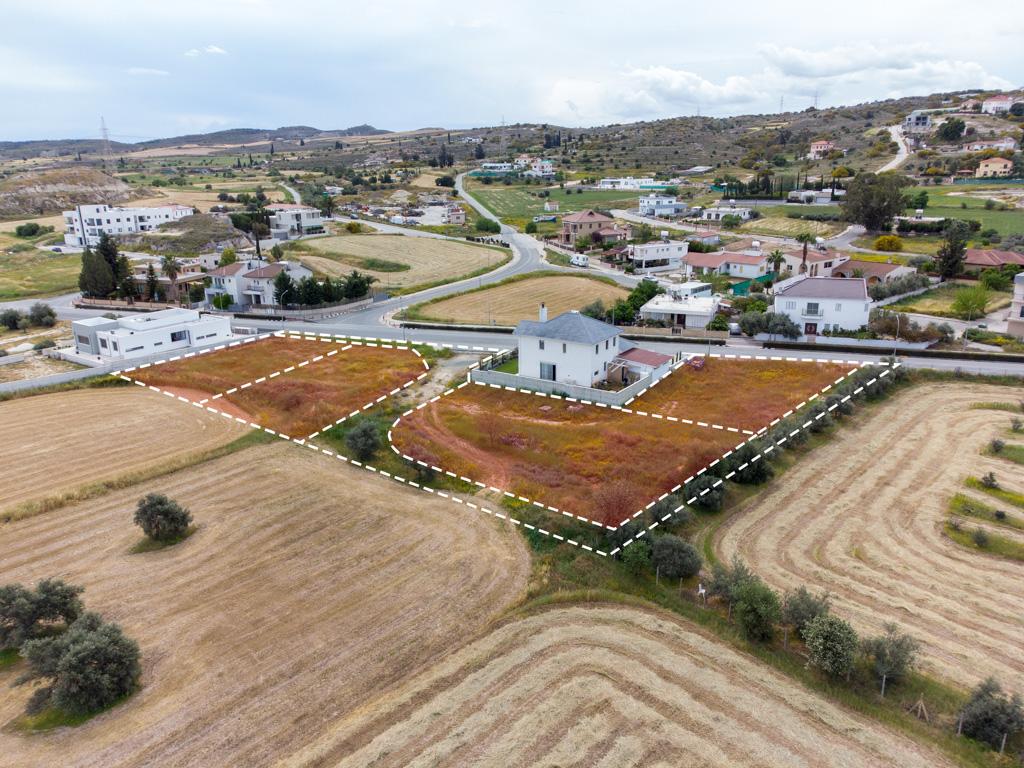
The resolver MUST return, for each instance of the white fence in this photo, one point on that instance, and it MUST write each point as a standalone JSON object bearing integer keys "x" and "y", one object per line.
{"x": 607, "y": 397}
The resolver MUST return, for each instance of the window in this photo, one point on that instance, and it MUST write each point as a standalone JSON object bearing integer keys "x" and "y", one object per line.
{"x": 134, "y": 349}
{"x": 606, "y": 343}
{"x": 563, "y": 349}
{"x": 597, "y": 348}
{"x": 790, "y": 305}
{"x": 812, "y": 307}
{"x": 839, "y": 307}
{"x": 179, "y": 335}
{"x": 103, "y": 344}
{"x": 82, "y": 339}
{"x": 541, "y": 343}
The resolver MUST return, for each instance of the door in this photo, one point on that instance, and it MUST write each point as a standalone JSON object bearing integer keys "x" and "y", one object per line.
{"x": 810, "y": 329}
{"x": 547, "y": 371}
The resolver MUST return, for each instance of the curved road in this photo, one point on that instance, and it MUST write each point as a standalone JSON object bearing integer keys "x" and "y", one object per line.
{"x": 901, "y": 154}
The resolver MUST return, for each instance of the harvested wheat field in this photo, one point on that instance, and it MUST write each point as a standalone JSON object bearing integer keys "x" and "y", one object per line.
{"x": 606, "y": 687}
{"x": 508, "y": 303}
{"x": 738, "y": 391}
{"x": 396, "y": 260}
{"x": 56, "y": 443}
{"x": 213, "y": 373}
{"x": 863, "y": 515}
{"x": 600, "y": 463}
{"x": 319, "y": 395}
{"x": 309, "y": 589}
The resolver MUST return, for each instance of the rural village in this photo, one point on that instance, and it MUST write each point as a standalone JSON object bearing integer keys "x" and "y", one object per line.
{"x": 695, "y": 440}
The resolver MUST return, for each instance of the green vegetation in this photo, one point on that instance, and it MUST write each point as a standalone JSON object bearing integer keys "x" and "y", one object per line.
{"x": 949, "y": 300}
{"x": 37, "y": 273}
{"x": 961, "y": 504}
{"x": 983, "y": 541}
{"x": 989, "y": 485}
{"x": 163, "y": 520}
{"x": 525, "y": 202}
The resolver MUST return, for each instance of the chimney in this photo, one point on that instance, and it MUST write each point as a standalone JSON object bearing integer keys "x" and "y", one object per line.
{"x": 543, "y": 312}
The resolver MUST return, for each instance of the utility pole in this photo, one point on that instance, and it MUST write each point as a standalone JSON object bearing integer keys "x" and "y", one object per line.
{"x": 106, "y": 141}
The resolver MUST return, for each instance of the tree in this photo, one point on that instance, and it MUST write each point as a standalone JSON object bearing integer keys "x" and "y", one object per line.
{"x": 970, "y": 302}
{"x": 126, "y": 286}
{"x": 445, "y": 181}
{"x": 107, "y": 248}
{"x": 96, "y": 279}
{"x": 805, "y": 239}
{"x": 952, "y": 129}
{"x": 171, "y": 268}
{"x": 950, "y": 256}
{"x": 874, "y": 200}
{"x": 284, "y": 288}
{"x": 832, "y": 645}
{"x": 227, "y": 256}
{"x": 309, "y": 292}
{"x": 478, "y": 151}
{"x": 487, "y": 225}
{"x": 276, "y": 253}
{"x": 363, "y": 440}
{"x": 800, "y": 607}
{"x": 22, "y": 609}
{"x": 776, "y": 259}
{"x": 706, "y": 492}
{"x": 327, "y": 205}
{"x": 162, "y": 519}
{"x": 637, "y": 557}
{"x": 151, "y": 283}
{"x": 757, "y": 610}
{"x": 990, "y": 714}
{"x": 675, "y": 558}
{"x": 531, "y": 227}
{"x": 893, "y": 654}
{"x": 42, "y": 315}
{"x": 888, "y": 243}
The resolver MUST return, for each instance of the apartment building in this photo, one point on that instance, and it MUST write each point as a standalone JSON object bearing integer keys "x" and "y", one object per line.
{"x": 86, "y": 223}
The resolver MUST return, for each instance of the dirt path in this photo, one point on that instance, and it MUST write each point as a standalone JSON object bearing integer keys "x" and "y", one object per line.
{"x": 309, "y": 589}
{"x": 862, "y": 516}
{"x": 605, "y": 687}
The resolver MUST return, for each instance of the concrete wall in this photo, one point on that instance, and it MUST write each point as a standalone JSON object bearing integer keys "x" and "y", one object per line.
{"x": 606, "y": 397}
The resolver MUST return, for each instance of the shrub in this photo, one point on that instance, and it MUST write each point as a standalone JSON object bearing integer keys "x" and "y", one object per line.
{"x": 999, "y": 514}
{"x": 800, "y": 607}
{"x": 889, "y": 243}
{"x": 980, "y": 538}
{"x": 675, "y": 558}
{"x": 162, "y": 519}
{"x": 42, "y": 315}
{"x": 757, "y": 610}
{"x": 990, "y": 714}
{"x": 363, "y": 440}
{"x": 12, "y": 319}
{"x": 718, "y": 323}
{"x": 1016, "y": 425}
{"x": 44, "y": 344}
{"x": 637, "y": 557}
{"x": 989, "y": 480}
{"x": 832, "y": 645}
{"x": 893, "y": 654}
{"x": 727, "y": 579}
{"x": 996, "y": 445}
{"x": 531, "y": 227}
{"x": 707, "y": 492}
{"x": 487, "y": 225}
{"x": 30, "y": 229}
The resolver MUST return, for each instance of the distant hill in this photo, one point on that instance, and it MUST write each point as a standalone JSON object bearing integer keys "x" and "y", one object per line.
{"x": 41, "y": 193}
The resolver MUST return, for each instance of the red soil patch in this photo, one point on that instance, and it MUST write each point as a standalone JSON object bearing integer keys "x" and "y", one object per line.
{"x": 196, "y": 395}
{"x": 738, "y": 392}
{"x": 595, "y": 462}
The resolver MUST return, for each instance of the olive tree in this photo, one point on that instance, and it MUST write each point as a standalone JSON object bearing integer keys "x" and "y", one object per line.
{"x": 161, "y": 518}
{"x": 675, "y": 558}
{"x": 832, "y": 645}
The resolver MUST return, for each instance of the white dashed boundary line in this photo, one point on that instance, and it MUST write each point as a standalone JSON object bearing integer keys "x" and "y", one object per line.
{"x": 573, "y": 515}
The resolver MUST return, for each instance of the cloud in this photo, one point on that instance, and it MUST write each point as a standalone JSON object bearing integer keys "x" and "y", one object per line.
{"x": 147, "y": 71}
{"x": 192, "y": 52}
{"x": 214, "y": 50}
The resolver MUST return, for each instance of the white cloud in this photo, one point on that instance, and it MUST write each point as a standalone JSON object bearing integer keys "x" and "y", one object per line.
{"x": 215, "y": 49}
{"x": 192, "y": 52}
{"x": 147, "y": 71}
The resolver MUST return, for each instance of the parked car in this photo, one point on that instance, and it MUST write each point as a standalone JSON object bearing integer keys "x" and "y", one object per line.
{"x": 734, "y": 329}
{"x": 57, "y": 249}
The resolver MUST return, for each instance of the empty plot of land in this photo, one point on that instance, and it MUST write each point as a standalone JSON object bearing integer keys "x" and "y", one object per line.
{"x": 397, "y": 260}
{"x": 517, "y": 300}
{"x": 325, "y": 392}
{"x": 595, "y": 462}
{"x": 55, "y": 443}
{"x": 738, "y": 392}
{"x": 606, "y": 687}
{"x": 38, "y": 273}
{"x": 308, "y": 589}
{"x": 863, "y": 518}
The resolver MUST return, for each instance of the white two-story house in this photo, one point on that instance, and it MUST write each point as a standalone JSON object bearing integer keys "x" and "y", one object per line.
{"x": 662, "y": 205}
{"x": 148, "y": 333}
{"x": 658, "y": 256}
{"x": 289, "y": 220}
{"x": 570, "y": 349}
{"x": 818, "y": 304}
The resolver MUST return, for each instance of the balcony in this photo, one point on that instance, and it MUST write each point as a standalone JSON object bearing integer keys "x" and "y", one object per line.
{"x": 812, "y": 312}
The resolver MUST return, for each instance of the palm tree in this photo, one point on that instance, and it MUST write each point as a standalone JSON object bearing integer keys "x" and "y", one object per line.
{"x": 776, "y": 258}
{"x": 171, "y": 268}
{"x": 804, "y": 238}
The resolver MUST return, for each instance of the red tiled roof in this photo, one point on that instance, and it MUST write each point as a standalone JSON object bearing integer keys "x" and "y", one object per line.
{"x": 743, "y": 258}
{"x": 271, "y": 270}
{"x": 585, "y": 216}
{"x": 227, "y": 271}
{"x": 706, "y": 260}
{"x": 813, "y": 255}
{"x": 988, "y": 258}
{"x": 866, "y": 268}
{"x": 644, "y": 357}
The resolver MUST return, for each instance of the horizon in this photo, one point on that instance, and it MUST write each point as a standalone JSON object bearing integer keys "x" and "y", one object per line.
{"x": 398, "y": 67}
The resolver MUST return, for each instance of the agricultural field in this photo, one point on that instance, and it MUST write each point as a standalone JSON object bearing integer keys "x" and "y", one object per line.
{"x": 400, "y": 263}
{"x": 595, "y": 462}
{"x": 34, "y": 272}
{"x": 742, "y": 393}
{"x": 59, "y": 442}
{"x": 319, "y": 382}
{"x": 607, "y": 686}
{"x": 939, "y": 301}
{"x": 519, "y": 299}
{"x": 308, "y": 590}
{"x": 774, "y": 221}
{"x": 863, "y": 517}
{"x": 516, "y": 202}
{"x": 966, "y": 202}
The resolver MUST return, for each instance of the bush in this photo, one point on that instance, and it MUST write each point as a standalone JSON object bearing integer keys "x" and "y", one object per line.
{"x": 980, "y": 538}
{"x": 531, "y": 227}
{"x": 800, "y": 607}
{"x": 42, "y": 315}
{"x": 44, "y": 344}
{"x": 162, "y": 519}
{"x": 757, "y": 610}
{"x": 718, "y": 323}
{"x": 637, "y": 557}
{"x": 996, "y": 445}
{"x": 990, "y": 714}
{"x": 989, "y": 480}
{"x": 31, "y": 229}
{"x": 901, "y": 285}
{"x": 707, "y": 492}
{"x": 726, "y": 580}
{"x": 363, "y": 440}
{"x": 487, "y": 225}
{"x": 12, "y": 319}
{"x": 889, "y": 243}
{"x": 893, "y": 654}
{"x": 675, "y": 558}
{"x": 749, "y": 464}
{"x": 1016, "y": 425}
{"x": 832, "y": 645}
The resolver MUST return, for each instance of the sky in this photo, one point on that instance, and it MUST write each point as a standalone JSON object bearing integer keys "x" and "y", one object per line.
{"x": 158, "y": 69}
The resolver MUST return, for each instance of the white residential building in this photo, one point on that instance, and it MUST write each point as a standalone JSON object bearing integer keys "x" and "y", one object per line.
{"x": 631, "y": 184}
{"x": 84, "y": 225}
{"x": 662, "y": 205}
{"x": 551, "y": 205}
{"x": 148, "y": 333}
{"x": 717, "y": 212}
{"x": 453, "y": 214}
{"x": 683, "y": 310}
{"x": 540, "y": 168}
{"x": 997, "y": 105}
{"x": 1004, "y": 143}
{"x": 497, "y": 167}
{"x": 250, "y": 282}
{"x": 917, "y": 121}
{"x": 571, "y": 349}
{"x": 289, "y": 220}
{"x": 1015, "y": 318}
{"x": 817, "y": 304}
{"x": 657, "y": 256}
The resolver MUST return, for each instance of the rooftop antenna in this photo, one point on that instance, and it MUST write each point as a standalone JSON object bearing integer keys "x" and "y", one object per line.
{"x": 106, "y": 141}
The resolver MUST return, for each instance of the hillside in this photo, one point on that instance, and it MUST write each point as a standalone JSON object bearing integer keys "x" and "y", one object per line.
{"x": 200, "y": 233}
{"x": 40, "y": 193}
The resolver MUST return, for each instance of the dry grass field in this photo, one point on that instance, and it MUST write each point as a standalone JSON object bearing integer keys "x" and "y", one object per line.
{"x": 863, "y": 518}
{"x": 511, "y": 302}
{"x": 606, "y": 687}
{"x": 596, "y": 462}
{"x": 56, "y": 443}
{"x": 738, "y": 392}
{"x": 309, "y": 589}
{"x": 397, "y": 261}
{"x": 316, "y": 396}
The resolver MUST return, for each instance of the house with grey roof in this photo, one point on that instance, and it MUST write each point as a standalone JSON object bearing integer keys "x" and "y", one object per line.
{"x": 818, "y": 304}
{"x": 569, "y": 349}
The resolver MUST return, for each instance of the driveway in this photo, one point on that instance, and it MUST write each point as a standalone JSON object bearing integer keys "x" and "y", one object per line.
{"x": 901, "y": 154}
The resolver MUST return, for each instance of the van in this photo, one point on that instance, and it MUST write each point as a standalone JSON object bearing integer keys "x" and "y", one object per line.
{"x": 734, "y": 329}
